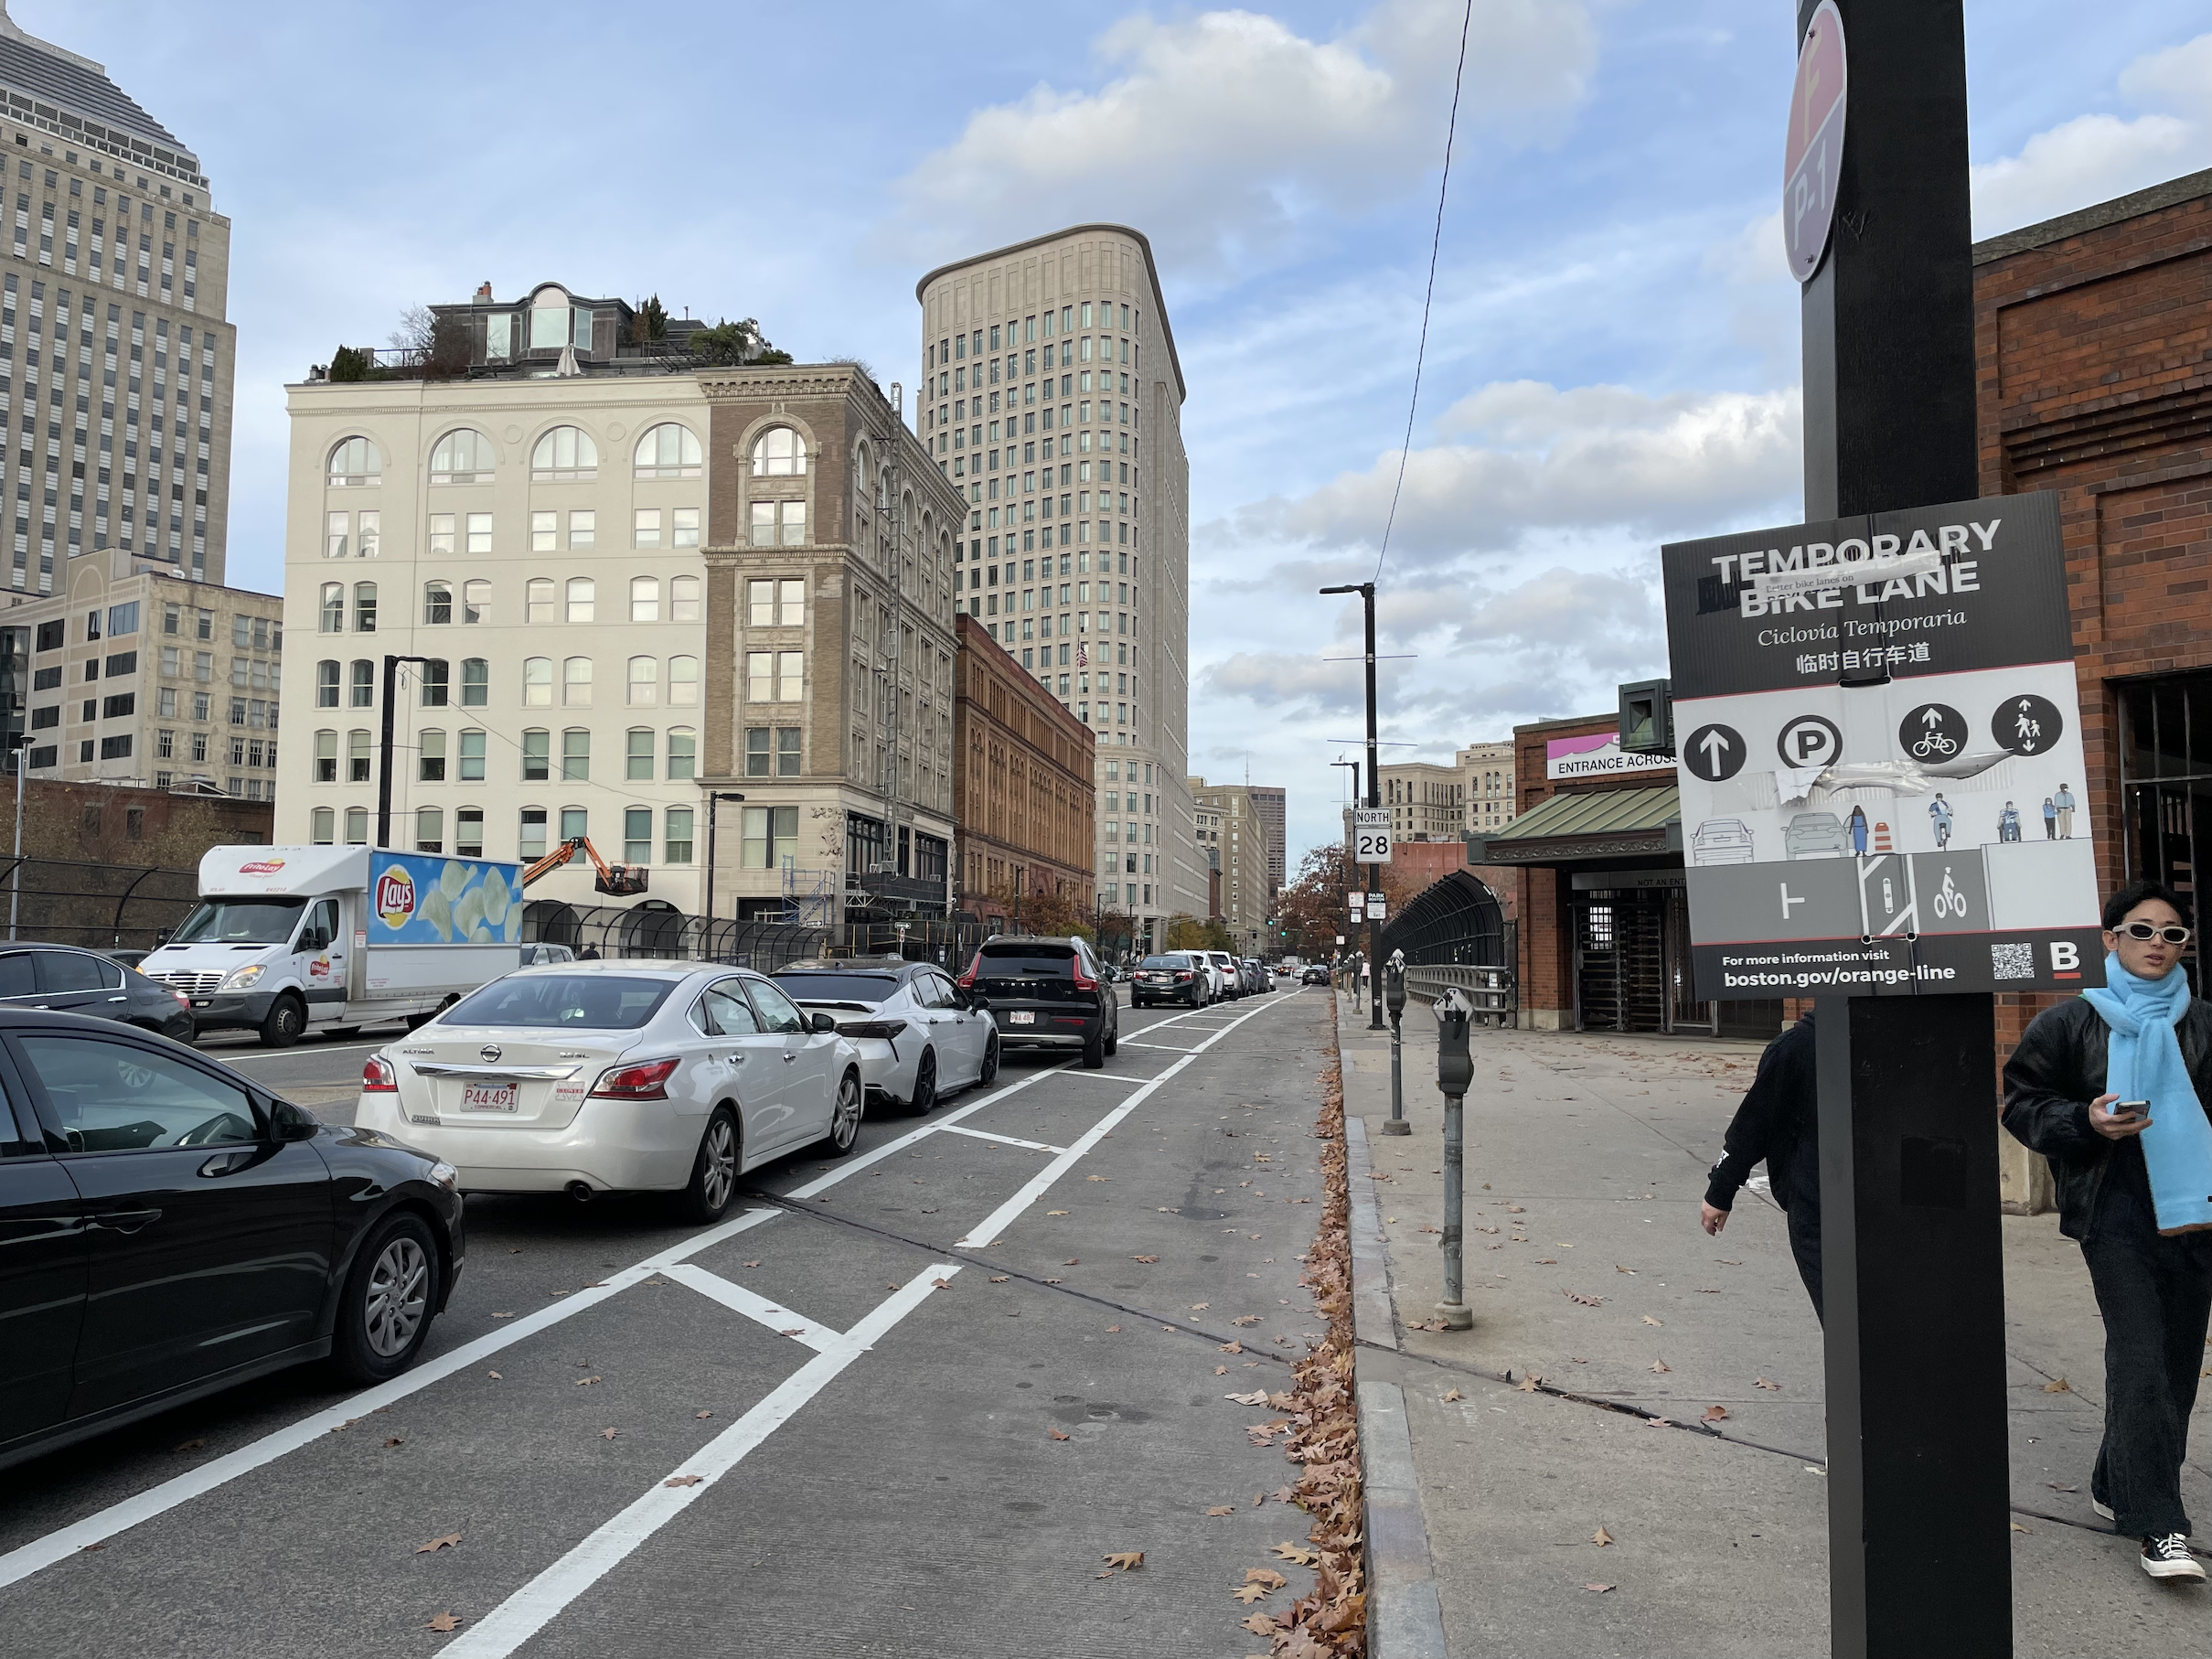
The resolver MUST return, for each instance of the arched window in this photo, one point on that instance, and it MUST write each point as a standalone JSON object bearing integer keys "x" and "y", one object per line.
{"x": 364, "y": 607}
{"x": 362, "y": 678}
{"x": 332, "y": 617}
{"x": 356, "y": 826}
{"x": 430, "y": 830}
{"x": 576, "y": 683}
{"x": 668, "y": 451}
{"x": 475, "y": 600}
{"x": 327, "y": 684}
{"x": 645, "y": 599}
{"x": 565, "y": 456}
{"x": 683, "y": 599}
{"x": 863, "y": 474}
{"x": 356, "y": 461}
{"x": 539, "y": 600}
{"x": 462, "y": 457}
{"x": 437, "y": 685}
{"x": 476, "y": 682}
{"x": 779, "y": 453}
{"x": 321, "y": 826}
{"x": 582, "y": 592}
{"x": 683, "y": 682}
{"x": 437, "y": 603}
{"x": 429, "y": 755}
{"x": 538, "y": 682}
{"x": 326, "y": 757}
{"x": 358, "y": 763}
{"x": 645, "y": 682}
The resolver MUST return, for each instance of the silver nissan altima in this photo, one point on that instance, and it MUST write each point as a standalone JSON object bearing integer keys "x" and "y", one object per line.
{"x": 618, "y": 1077}
{"x": 921, "y": 1037}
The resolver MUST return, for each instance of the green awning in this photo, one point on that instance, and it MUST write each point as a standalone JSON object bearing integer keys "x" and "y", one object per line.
{"x": 1586, "y": 823}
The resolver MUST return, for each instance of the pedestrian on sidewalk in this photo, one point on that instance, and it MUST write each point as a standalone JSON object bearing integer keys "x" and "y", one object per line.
{"x": 2133, "y": 1187}
{"x": 1778, "y": 1124}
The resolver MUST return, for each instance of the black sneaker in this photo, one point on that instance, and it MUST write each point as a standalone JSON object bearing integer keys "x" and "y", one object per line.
{"x": 2166, "y": 1555}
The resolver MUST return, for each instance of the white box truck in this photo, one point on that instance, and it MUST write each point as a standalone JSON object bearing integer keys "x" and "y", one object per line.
{"x": 290, "y": 939}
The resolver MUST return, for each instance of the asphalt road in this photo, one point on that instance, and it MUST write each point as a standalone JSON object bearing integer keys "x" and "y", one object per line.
{"x": 923, "y": 1390}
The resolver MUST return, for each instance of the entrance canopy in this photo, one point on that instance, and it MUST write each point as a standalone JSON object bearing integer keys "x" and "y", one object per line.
{"x": 1587, "y": 824}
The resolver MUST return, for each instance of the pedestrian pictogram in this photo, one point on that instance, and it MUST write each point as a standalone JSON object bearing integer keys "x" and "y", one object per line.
{"x": 2027, "y": 725}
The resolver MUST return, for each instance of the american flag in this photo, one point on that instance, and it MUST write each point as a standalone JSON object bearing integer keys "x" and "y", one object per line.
{"x": 1083, "y": 658}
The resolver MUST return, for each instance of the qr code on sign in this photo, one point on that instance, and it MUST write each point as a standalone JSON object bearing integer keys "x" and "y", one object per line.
{"x": 2012, "y": 961}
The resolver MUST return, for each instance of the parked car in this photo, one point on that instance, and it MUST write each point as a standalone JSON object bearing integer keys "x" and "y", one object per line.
{"x": 1232, "y": 978}
{"x": 60, "y": 979}
{"x": 1047, "y": 993}
{"x": 635, "y": 1076}
{"x": 1722, "y": 841}
{"x": 1259, "y": 982}
{"x": 1814, "y": 835}
{"x": 1174, "y": 976}
{"x": 543, "y": 955}
{"x": 174, "y": 1229}
{"x": 1313, "y": 973}
{"x": 920, "y": 1036}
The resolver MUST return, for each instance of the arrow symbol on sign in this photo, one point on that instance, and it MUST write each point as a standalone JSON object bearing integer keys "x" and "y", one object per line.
{"x": 1931, "y": 720}
{"x": 1715, "y": 746}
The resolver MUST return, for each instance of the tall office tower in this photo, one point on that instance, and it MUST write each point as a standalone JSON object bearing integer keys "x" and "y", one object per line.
{"x": 115, "y": 361}
{"x": 1052, "y": 398}
{"x": 1272, "y": 807}
{"x": 1239, "y": 837}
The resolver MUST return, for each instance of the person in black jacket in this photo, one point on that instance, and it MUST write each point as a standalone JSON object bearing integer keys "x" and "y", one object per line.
{"x": 2153, "y": 1289}
{"x": 1778, "y": 1122}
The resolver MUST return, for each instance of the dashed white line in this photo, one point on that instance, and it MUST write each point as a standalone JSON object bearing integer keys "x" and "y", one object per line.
{"x": 1033, "y": 1146}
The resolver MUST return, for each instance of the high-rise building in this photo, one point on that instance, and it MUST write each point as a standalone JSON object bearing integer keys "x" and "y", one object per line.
{"x": 1273, "y": 809}
{"x": 1051, "y": 402}
{"x": 1486, "y": 778}
{"x": 1241, "y": 838}
{"x": 1424, "y": 801}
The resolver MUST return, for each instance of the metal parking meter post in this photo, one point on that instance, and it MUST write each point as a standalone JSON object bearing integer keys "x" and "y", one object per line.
{"x": 1455, "y": 1071}
{"x": 1393, "y": 998}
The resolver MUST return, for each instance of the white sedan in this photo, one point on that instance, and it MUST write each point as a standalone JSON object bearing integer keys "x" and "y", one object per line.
{"x": 633, "y": 1076}
{"x": 920, "y": 1035}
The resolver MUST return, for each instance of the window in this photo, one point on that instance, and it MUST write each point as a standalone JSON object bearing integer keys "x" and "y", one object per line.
{"x": 356, "y": 826}
{"x": 330, "y": 615}
{"x": 430, "y": 757}
{"x": 479, "y": 533}
{"x": 116, "y": 708}
{"x": 321, "y": 826}
{"x": 357, "y": 757}
{"x": 468, "y": 832}
{"x": 475, "y": 601}
{"x": 437, "y": 603}
{"x": 779, "y": 523}
{"x": 545, "y": 532}
{"x": 760, "y": 676}
{"x": 776, "y": 603}
{"x": 362, "y": 693}
{"x": 683, "y": 599}
{"x": 471, "y": 756}
{"x": 354, "y": 462}
{"x": 430, "y": 830}
{"x": 760, "y": 603}
{"x": 537, "y": 757}
{"x": 683, "y": 682}
{"x": 538, "y": 682}
{"x": 537, "y": 600}
{"x": 790, "y": 674}
{"x": 771, "y": 837}
{"x": 637, "y": 761}
{"x": 564, "y": 456}
{"x": 677, "y": 846}
{"x": 787, "y": 750}
{"x": 371, "y": 539}
{"x": 436, "y": 686}
{"x": 646, "y": 532}
{"x": 576, "y": 683}
{"x": 530, "y": 844}
{"x": 336, "y": 530}
{"x": 758, "y": 753}
{"x": 644, "y": 682}
{"x": 327, "y": 684}
{"x": 683, "y": 754}
{"x": 364, "y": 607}
{"x": 668, "y": 451}
{"x": 462, "y": 457}
{"x": 118, "y": 1096}
{"x": 575, "y": 823}
{"x": 325, "y": 758}
{"x": 575, "y": 755}
{"x": 778, "y": 453}
{"x": 645, "y": 599}
{"x": 638, "y": 835}
{"x": 476, "y": 682}
{"x": 441, "y": 533}
{"x": 584, "y": 530}
{"x": 683, "y": 527}
{"x": 582, "y": 592}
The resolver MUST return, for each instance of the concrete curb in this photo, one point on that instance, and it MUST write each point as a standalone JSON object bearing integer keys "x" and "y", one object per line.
{"x": 1373, "y": 1322}
{"x": 1405, "y": 1620}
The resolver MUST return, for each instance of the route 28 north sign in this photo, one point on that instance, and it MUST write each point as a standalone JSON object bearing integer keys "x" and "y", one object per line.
{"x": 1813, "y": 155}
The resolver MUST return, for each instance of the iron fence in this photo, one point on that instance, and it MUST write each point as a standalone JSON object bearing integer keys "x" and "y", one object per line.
{"x": 99, "y": 906}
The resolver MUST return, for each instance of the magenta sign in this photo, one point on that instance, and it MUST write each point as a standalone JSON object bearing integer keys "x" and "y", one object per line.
{"x": 1815, "y": 154}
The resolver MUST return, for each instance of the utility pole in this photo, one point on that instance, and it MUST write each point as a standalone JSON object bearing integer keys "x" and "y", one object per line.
{"x": 714, "y": 796}
{"x": 1366, "y": 590}
{"x": 391, "y": 713}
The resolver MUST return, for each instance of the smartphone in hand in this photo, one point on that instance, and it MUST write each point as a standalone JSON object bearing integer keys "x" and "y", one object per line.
{"x": 2130, "y": 1110}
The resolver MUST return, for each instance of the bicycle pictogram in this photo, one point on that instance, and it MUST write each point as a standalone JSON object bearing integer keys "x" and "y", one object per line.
{"x": 1950, "y": 901}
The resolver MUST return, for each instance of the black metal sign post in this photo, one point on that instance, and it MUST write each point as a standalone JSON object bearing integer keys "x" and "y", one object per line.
{"x": 1918, "y": 1502}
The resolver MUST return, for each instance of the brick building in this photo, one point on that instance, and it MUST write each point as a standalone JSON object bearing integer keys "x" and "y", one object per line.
{"x": 1022, "y": 784}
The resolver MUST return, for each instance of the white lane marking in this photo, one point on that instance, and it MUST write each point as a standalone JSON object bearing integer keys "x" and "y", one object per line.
{"x": 1034, "y": 1146}
{"x": 1170, "y": 1048}
{"x": 41, "y": 1553}
{"x": 982, "y": 1235}
{"x": 848, "y": 1170}
{"x": 756, "y": 1308}
{"x": 526, "y": 1612}
{"x": 1108, "y": 1077}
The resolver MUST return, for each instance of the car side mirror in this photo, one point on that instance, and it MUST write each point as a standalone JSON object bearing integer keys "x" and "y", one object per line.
{"x": 288, "y": 1122}
{"x": 821, "y": 1022}
{"x": 979, "y": 1002}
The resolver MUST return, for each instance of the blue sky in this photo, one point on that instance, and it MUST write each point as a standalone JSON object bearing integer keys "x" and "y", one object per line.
{"x": 1613, "y": 356}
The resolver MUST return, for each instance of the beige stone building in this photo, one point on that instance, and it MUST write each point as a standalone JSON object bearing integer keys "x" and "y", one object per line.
{"x": 1051, "y": 404}
{"x": 1425, "y": 802}
{"x": 1242, "y": 839}
{"x": 1486, "y": 777}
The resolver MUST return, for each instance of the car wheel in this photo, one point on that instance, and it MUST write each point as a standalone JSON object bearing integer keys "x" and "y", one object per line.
{"x": 1113, "y": 1036}
{"x": 1095, "y": 1050}
{"x": 389, "y": 1299}
{"x": 990, "y": 1061}
{"x": 713, "y": 1172}
{"x": 845, "y": 1116}
{"x": 924, "y": 1096}
{"x": 282, "y": 1025}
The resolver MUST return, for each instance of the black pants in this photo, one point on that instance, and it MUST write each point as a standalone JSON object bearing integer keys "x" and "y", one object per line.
{"x": 2155, "y": 1295}
{"x": 1804, "y": 1217}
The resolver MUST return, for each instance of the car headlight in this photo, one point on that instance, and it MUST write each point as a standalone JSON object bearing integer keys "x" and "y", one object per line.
{"x": 244, "y": 977}
{"x": 443, "y": 1173}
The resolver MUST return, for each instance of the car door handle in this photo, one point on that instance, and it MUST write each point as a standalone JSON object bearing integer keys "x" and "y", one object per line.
{"x": 790, "y": 1059}
{"x": 123, "y": 1221}
{"x": 119, "y": 999}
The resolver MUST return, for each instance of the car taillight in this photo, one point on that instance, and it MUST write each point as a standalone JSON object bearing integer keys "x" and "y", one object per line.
{"x": 872, "y": 1027}
{"x": 1182, "y": 976}
{"x": 967, "y": 979}
{"x": 378, "y": 1078}
{"x": 1083, "y": 981}
{"x": 639, "y": 1082}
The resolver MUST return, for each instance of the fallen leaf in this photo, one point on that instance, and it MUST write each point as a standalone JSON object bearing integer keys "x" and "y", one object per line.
{"x": 683, "y": 1480}
{"x": 1662, "y": 1366}
{"x": 1266, "y": 1577}
{"x": 1760, "y": 1382}
{"x": 702, "y": 1414}
{"x": 752, "y": 1264}
{"x": 1528, "y": 1383}
{"x": 452, "y": 1540}
{"x": 1223, "y": 1509}
{"x": 1714, "y": 1414}
{"x": 890, "y": 1287}
{"x": 1056, "y": 1212}
{"x": 1113, "y": 1330}
{"x": 394, "y": 1441}
{"x": 1618, "y": 1268}
{"x": 1246, "y": 1319}
{"x": 1258, "y": 1396}
{"x": 1220, "y": 1371}
{"x": 495, "y": 1376}
{"x": 1072, "y": 1261}
{"x": 1601, "y": 1538}
{"x": 1304, "y": 1554}
{"x": 1514, "y": 1209}
{"x": 1650, "y": 1321}
{"x": 999, "y": 1279}
{"x": 2058, "y": 1486}
{"x": 941, "y": 1284}
{"x": 444, "y": 1621}
{"x": 1547, "y": 1261}
{"x": 608, "y": 1434}
{"x": 1230, "y": 1348}
{"x": 1580, "y": 1299}
{"x": 1597, "y": 1589}
{"x": 585, "y": 1382}
{"x": 495, "y": 1316}
{"x": 1125, "y": 1560}
{"x": 1259, "y": 1624}
{"x": 2018, "y": 1527}
{"x": 1056, "y": 1434}
{"x": 1249, "y": 1593}
{"x": 1452, "y": 1395}
{"x": 1144, "y": 1259}
{"x": 1726, "y": 1263}
{"x": 2059, "y": 1386}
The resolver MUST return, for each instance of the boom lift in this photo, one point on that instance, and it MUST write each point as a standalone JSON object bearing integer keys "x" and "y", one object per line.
{"x": 621, "y": 881}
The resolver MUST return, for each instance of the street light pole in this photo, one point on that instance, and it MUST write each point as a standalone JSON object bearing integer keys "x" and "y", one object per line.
{"x": 391, "y": 714}
{"x": 713, "y": 798}
{"x": 1366, "y": 590}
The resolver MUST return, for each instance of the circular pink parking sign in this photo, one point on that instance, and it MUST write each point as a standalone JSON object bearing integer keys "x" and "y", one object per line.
{"x": 1816, "y": 150}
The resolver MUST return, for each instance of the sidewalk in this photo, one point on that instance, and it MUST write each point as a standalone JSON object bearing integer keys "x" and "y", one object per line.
{"x": 1585, "y": 1268}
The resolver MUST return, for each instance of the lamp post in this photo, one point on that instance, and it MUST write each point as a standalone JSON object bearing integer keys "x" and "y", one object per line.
{"x": 392, "y": 716}
{"x": 1366, "y": 590}
{"x": 714, "y": 796}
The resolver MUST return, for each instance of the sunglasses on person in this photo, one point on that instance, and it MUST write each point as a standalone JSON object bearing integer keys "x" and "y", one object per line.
{"x": 2143, "y": 932}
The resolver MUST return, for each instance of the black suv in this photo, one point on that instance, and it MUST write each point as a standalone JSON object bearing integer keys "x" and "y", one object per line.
{"x": 1047, "y": 993}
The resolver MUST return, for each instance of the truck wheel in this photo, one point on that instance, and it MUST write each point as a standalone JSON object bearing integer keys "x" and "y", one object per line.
{"x": 282, "y": 1025}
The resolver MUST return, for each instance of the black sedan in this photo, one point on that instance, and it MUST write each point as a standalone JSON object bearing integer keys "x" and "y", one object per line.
{"x": 61, "y": 978}
{"x": 172, "y": 1229}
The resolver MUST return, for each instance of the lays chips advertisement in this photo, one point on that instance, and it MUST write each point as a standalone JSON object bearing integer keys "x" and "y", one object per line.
{"x": 423, "y": 899}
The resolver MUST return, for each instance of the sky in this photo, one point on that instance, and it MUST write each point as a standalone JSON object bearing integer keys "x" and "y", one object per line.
{"x": 1612, "y": 356}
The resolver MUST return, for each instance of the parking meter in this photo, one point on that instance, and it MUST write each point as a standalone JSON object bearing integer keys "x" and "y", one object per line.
{"x": 1455, "y": 1064}
{"x": 1394, "y": 985}
{"x": 1454, "y": 1070}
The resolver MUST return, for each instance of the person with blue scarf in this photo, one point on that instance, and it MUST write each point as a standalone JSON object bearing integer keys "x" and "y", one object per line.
{"x": 2111, "y": 1086}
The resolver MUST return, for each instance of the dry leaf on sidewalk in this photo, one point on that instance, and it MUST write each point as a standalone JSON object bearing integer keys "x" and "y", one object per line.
{"x": 1223, "y": 1509}
{"x": 1125, "y": 1560}
{"x": 1662, "y": 1366}
{"x": 1056, "y": 1434}
{"x": 1760, "y": 1382}
{"x": 1650, "y": 1321}
{"x": 1452, "y": 1395}
{"x": 1601, "y": 1538}
{"x": 444, "y": 1621}
{"x": 683, "y": 1480}
{"x": 1304, "y": 1554}
{"x": 452, "y": 1540}
{"x": 1528, "y": 1383}
{"x": 1597, "y": 1589}
{"x": 1714, "y": 1414}
{"x": 2058, "y": 1385}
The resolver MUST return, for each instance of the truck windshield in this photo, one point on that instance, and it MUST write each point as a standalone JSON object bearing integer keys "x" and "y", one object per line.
{"x": 240, "y": 922}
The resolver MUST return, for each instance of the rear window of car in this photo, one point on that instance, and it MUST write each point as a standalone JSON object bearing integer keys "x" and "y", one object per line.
{"x": 582, "y": 1001}
{"x": 837, "y": 987}
{"x": 1010, "y": 961}
{"x": 1164, "y": 962}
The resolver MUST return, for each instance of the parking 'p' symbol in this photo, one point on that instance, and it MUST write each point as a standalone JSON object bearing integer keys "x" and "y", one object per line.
{"x": 1810, "y": 741}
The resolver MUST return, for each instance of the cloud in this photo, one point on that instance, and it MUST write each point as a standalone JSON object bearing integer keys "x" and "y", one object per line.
{"x": 1536, "y": 458}
{"x": 1753, "y": 255}
{"x": 2095, "y": 157}
{"x": 1220, "y": 134}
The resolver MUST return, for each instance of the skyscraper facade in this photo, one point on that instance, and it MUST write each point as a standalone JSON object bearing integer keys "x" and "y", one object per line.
{"x": 1051, "y": 399}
